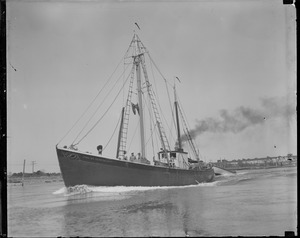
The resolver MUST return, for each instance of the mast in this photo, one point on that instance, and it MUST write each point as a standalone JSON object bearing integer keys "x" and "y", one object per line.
{"x": 120, "y": 133}
{"x": 137, "y": 61}
{"x": 177, "y": 121}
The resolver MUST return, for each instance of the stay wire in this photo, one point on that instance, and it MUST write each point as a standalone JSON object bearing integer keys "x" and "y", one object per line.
{"x": 152, "y": 128}
{"x": 106, "y": 109}
{"x": 188, "y": 126}
{"x": 168, "y": 93}
{"x": 166, "y": 82}
{"x": 99, "y": 107}
{"x": 151, "y": 122}
{"x": 113, "y": 132}
{"x": 92, "y": 101}
{"x": 135, "y": 130}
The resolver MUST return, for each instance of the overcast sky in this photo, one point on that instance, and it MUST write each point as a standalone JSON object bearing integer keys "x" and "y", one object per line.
{"x": 235, "y": 60}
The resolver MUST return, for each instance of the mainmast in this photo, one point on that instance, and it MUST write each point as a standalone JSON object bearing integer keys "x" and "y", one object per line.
{"x": 138, "y": 56}
{"x": 138, "y": 63}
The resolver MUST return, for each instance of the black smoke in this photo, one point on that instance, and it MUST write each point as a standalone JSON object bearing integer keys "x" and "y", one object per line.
{"x": 243, "y": 117}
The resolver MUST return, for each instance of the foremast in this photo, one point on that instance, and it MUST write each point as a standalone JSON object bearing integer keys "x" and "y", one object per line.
{"x": 139, "y": 64}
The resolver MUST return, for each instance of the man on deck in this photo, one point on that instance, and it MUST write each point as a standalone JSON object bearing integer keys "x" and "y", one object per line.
{"x": 132, "y": 157}
{"x": 124, "y": 156}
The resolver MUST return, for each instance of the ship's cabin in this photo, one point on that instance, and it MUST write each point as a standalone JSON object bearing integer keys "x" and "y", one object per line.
{"x": 176, "y": 159}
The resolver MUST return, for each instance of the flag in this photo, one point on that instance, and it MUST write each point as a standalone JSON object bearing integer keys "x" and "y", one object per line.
{"x": 135, "y": 107}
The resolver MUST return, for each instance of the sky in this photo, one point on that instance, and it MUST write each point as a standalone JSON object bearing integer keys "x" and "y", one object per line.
{"x": 236, "y": 61}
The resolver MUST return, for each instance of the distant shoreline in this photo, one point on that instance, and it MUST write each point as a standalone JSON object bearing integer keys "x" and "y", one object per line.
{"x": 252, "y": 168}
{"x": 17, "y": 178}
{"x": 33, "y": 175}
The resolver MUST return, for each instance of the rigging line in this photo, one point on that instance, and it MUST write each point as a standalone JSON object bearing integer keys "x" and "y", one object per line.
{"x": 161, "y": 112}
{"x": 130, "y": 47}
{"x": 180, "y": 105}
{"x": 146, "y": 51}
{"x": 158, "y": 69}
{"x": 151, "y": 119}
{"x": 123, "y": 82}
{"x": 135, "y": 130}
{"x": 98, "y": 108}
{"x": 173, "y": 118}
{"x": 154, "y": 81}
{"x": 92, "y": 101}
{"x": 170, "y": 107}
{"x": 170, "y": 132}
{"x": 106, "y": 109}
{"x": 151, "y": 123}
{"x": 166, "y": 82}
{"x": 157, "y": 100}
{"x": 191, "y": 143}
{"x": 112, "y": 133}
{"x": 151, "y": 129}
{"x": 152, "y": 143}
{"x": 188, "y": 126}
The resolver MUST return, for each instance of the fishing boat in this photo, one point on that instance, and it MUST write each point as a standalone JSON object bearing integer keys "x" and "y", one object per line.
{"x": 151, "y": 164}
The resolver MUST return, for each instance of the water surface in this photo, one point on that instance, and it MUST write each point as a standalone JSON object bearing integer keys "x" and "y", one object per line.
{"x": 250, "y": 203}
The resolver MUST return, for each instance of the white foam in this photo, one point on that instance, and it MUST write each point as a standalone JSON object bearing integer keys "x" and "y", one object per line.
{"x": 228, "y": 175}
{"x": 123, "y": 189}
{"x": 240, "y": 173}
{"x": 108, "y": 190}
{"x": 211, "y": 184}
{"x": 78, "y": 189}
{"x": 60, "y": 191}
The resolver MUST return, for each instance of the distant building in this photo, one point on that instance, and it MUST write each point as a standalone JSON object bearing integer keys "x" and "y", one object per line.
{"x": 287, "y": 160}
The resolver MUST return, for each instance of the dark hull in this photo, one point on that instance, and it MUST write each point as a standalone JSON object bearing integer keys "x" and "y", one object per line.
{"x": 82, "y": 168}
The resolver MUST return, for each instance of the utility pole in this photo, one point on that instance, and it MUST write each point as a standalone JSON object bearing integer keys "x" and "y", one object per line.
{"x": 23, "y": 173}
{"x": 33, "y": 163}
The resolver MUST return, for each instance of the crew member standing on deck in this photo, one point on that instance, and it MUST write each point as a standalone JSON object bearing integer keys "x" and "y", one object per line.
{"x": 99, "y": 148}
{"x": 132, "y": 157}
{"x": 125, "y": 156}
{"x": 139, "y": 159}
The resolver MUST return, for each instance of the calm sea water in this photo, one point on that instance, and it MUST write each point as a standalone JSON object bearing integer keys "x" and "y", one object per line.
{"x": 250, "y": 203}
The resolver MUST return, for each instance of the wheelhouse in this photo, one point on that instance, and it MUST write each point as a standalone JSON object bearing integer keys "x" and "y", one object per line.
{"x": 173, "y": 159}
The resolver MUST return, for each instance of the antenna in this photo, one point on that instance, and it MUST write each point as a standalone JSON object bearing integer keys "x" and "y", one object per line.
{"x": 137, "y": 26}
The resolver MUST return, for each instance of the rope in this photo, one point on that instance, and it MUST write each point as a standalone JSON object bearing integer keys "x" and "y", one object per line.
{"x": 180, "y": 105}
{"x": 133, "y": 136}
{"x": 152, "y": 130}
{"x": 151, "y": 121}
{"x": 105, "y": 111}
{"x": 161, "y": 113}
{"x": 92, "y": 101}
{"x": 113, "y": 133}
{"x": 172, "y": 111}
{"x": 156, "y": 96}
{"x": 98, "y": 108}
